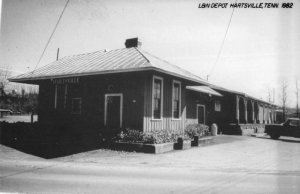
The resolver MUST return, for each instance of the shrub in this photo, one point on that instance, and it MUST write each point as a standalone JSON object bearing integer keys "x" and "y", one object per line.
{"x": 162, "y": 136}
{"x": 196, "y": 130}
{"x": 154, "y": 137}
{"x": 130, "y": 135}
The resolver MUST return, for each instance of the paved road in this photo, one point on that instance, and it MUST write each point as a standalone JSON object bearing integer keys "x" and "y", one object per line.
{"x": 233, "y": 164}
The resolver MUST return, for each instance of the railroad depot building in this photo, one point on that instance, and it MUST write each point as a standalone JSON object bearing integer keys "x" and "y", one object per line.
{"x": 131, "y": 88}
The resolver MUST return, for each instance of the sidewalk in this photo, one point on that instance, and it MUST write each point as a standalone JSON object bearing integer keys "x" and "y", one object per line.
{"x": 229, "y": 153}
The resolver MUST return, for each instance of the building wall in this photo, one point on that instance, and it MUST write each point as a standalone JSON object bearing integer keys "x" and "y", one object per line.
{"x": 226, "y": 115}
{"x": 92, "y": 90}
{"x": 46, "y": 102}
{"x": 228, "y": 112}
{"x": 189, "y": 101}
{"x": 192, "y": 100}
{"x": 229, "y": 109}
{"x": 166, "y": 123}
{"x": 137, "y": 103}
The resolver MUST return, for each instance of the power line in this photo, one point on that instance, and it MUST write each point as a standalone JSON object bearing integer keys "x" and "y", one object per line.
{"x": 51, "y": 35}
{"x": 222, "y": 45}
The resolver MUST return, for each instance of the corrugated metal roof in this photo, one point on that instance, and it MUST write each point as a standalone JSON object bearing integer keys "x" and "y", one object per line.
{"x": 221, "y": 89}
{"x": 102, "y": 62}
{"x": 204, "y": 89}
{"x": 114, "y": 61}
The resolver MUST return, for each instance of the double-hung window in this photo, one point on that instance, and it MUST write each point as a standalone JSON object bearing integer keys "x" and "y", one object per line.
{"x": 217, "y": 106}
{"x": 157, "y": 97}
{"x": 176, "y": 100}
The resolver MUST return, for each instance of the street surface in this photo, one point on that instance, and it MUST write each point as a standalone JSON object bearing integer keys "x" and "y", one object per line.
{"x": 233, "y": 164}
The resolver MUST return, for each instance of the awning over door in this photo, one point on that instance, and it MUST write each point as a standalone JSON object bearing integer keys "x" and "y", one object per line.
{"x": 204, "y": 89}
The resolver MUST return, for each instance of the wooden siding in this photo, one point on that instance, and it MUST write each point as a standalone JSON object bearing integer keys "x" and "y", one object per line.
{"x": 46, "y": 101}
{"x": 166, "y": 122}
{"x": 92, "y": 90}
{"x": 193, "y": 98}
{"x": 196, "y": 98}
{"x": 228, "y": 113}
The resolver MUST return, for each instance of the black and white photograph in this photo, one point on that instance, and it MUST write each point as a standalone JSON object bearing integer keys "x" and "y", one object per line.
{"x": 149, "y": 96}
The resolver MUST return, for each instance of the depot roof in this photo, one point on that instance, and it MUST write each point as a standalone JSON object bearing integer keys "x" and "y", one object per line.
{"x": 105, "y": 62}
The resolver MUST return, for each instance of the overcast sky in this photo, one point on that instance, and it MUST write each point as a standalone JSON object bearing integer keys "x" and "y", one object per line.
{"x": 261, "y": 49}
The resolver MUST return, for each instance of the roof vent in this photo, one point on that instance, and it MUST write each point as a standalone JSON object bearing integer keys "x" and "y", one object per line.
{"x": 133, "y": 42}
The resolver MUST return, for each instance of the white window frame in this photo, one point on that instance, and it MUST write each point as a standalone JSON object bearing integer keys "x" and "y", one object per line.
{"x": 179, "y": 83}
{"x": 162, "y": 98}
{"x": 76, "y": 113}
{"x": 121, "y": 107}
{"x": 216, "y": 106}
{"x": 203, "y": 111}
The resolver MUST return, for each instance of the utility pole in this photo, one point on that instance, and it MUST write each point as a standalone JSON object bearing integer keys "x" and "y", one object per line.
{"x": 57, "y": 55}
{"x": 297, "y": 98}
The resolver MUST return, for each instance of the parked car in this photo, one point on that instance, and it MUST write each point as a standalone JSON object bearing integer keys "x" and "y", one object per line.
{"x": 290, "y": 128}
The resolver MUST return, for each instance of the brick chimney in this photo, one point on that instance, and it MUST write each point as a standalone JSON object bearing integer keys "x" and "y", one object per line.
{"x": 133, "y": 42}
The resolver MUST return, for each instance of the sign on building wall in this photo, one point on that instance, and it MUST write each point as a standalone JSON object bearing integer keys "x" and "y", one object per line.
{"x": 70, "y": 80}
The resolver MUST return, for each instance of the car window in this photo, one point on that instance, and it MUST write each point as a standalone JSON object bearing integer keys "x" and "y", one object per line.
{"x": 294, "y": 123}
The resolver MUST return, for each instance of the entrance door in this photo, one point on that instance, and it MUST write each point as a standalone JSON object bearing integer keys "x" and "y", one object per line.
{"x": 113, "y": 111}
{"x": 201, "y": 113}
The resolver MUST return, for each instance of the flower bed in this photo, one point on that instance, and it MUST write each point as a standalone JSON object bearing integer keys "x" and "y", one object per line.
{"x": 149, "y": 142}
{"x": 154, "y": 137}
{"x": 160, "y": 141}
{"x": 199, "y": 134}
{"x": 145, "y": 148}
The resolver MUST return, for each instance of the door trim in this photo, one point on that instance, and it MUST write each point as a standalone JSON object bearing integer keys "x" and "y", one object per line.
{"x": 203, "y": 112}
{"x": 121, "y": 107}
